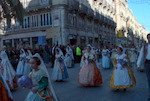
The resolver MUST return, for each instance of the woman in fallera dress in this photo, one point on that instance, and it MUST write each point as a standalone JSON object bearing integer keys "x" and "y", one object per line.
{"x": 69, "y": 58}
{"x": 89, "y": 74}
{"x": 122, "y": 77}
{"x": 9, "y": 72}
{"x": 105, "y": 58}
{"x": 23, "y": 67}
{"x": 60, "y": 72}
{"x": 42, "y": 89}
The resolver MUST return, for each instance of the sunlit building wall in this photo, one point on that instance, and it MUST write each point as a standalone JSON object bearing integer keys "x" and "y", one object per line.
{"x": 64, "y": 21}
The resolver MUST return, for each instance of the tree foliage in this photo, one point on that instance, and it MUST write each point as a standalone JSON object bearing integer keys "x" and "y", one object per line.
{"x": 11, "y": 9}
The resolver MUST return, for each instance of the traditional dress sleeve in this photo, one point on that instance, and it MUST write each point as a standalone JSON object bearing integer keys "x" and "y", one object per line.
{"x": 43, "y": 83}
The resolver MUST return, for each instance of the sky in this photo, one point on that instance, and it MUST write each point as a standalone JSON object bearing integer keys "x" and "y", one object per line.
{"x": 141, "y": 10}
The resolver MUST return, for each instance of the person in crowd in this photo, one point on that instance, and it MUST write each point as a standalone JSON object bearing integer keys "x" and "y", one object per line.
{"x": 78, "y": 54}
{"x": 122, "y": 77}
{"x": 9, "y": 73}
{"x": 46, "y": 55}
{"x": 49, "y": 51}
{"x": 28, "y": 57}
{"x": 53, "y": 54}
{"x": 105, "y": 58}
{"x": 14, "y": 57}
{"x": 140, "y": 63}
{"x": 23, "y": 67}
{"x": 69, "y": 58}
{"x": 42, "y": 89}
{"x": 113, "y": 57}
{"x": 37, "y": 50}
{"x": 98, "y": 57}
{"x": 111, "y": 50}
{"x": 89, "y": 74}
{"x": 63, "y": 49}
{"x": 60, "y": 72}
{"x": 132, "y": 57}
{"x": 144, "y": 59}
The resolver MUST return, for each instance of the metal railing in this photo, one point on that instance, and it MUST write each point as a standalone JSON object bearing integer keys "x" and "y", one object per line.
{"x": 19, "y": 29}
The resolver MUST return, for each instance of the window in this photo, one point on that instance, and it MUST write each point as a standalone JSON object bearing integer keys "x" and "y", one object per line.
{"x": 37, "y": 20}
{"x": 41, "y": 19}
{"x": 47, "y": 19}
{"x": 50, "y": 19}
{"x": 28, "y": 22}
{"x": 34, "y": 19}
{"x": 74, "y": 21}
{"x": 70, "y": 20}
{"x": 25, "y": 23}
{"x": 32, "y": 22}
{"x": 44, "y": 19}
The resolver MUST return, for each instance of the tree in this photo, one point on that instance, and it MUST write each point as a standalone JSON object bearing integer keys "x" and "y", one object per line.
{"x": 10, "y": 9}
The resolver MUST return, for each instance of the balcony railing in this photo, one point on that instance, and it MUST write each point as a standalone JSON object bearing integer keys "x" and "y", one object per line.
{"x": 19, "y": 29}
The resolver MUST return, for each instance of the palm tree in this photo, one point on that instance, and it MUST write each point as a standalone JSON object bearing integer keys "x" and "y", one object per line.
{"x": 10, "y": 9}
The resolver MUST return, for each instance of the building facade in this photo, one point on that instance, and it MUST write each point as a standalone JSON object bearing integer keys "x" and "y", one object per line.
{"x": 133, "y": 32}
{"x": 75, "y": 22}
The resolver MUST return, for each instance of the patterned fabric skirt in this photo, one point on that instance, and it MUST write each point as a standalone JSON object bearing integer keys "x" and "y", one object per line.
{"x": 59, "y": 71}
{"x": 105, "y": 62}
{"x": 127, "y": 79}
{"x": 90, "y": 75}
{"x": 3, "y": 93}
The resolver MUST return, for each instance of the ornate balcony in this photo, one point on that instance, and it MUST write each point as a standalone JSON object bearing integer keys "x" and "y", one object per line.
{"x": 14, "y": 29}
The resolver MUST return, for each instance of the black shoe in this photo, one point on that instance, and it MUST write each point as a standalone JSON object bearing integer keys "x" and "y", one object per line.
{"x": 125, "y": 89}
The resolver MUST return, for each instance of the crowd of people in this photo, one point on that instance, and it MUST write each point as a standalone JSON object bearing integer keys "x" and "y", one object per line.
{"x": 33, "y": 63}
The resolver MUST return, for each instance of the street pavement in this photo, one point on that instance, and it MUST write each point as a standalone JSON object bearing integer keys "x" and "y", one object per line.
{"x": 72, "y": 91}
